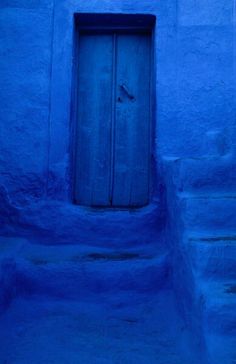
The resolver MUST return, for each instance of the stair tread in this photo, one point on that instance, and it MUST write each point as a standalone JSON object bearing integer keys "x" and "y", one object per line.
{"x": 112, "y": 329}
{"x": 221, "y": 291}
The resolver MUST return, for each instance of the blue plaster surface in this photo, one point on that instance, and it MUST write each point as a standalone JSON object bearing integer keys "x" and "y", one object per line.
{"x": 183, "y": 242}
{"x": 111, "y": 331}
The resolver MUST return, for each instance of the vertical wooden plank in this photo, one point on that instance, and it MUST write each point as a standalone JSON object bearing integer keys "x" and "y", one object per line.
{"x": 93, "y": 157}
{"x": 132, "y": 121}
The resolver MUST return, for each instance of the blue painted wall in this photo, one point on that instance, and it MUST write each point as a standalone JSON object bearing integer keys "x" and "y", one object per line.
{"x": 193, "y": 207}
{"x": 194, "y": 84}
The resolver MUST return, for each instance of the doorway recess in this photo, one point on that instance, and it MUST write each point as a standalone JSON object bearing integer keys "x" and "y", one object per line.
{"x": 113, "y": 110}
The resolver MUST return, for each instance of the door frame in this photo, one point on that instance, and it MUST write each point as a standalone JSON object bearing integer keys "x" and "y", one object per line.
{"x": 126, "y": 23}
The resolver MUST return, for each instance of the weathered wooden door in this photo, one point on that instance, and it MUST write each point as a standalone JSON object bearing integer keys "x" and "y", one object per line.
{"x": 113, "y": 122}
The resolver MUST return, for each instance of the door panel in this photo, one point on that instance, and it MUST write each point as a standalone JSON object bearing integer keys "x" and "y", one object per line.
{"x": 93, "y": 158}
{"x": 132, "y": 121}
{"x": 113, "y": 126}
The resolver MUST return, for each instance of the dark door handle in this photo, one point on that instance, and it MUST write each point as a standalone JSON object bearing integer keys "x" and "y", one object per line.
{"x": 128, "y": 93}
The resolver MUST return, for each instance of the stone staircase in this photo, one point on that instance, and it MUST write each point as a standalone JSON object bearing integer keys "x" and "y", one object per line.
{"x": 75, "y": 271}
{"x": 69, "y": 304}
{"x": 213, "y": 262}
{"x": 204, "y": 223}
{"x": 82, "y": 260}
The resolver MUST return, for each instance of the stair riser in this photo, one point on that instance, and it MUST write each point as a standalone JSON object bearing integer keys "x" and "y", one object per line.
{"x": 209, "y": 214}
{"x": 221, "y": 319}
{"x": 197, "y": 175}
{"x": 213, "y": 260}
{"x": 221, "y": 348}
{"x": 91, "y": 278}
{"x": 7, "y": 282}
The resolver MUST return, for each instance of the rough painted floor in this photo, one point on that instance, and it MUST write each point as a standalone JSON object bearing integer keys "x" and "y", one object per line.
{"x": 73, "y": 304}
{"x": 116, "y": 329}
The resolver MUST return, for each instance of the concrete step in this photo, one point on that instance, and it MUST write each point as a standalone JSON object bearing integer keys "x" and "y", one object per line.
{"x": 55, "y": 222}
{"x": 203, "y": 175}
{"x": 73, "y": 271}
{"x": 218, "y": 307}
{"x": 92, "y": 273}
{"x": 212, "y": 256}
{"x": 221, "y": 349}
{"x": 219, "y": 320}
{"x": 9, "y": 249}
{"x": 207, "y": 213}
{"x": 122, "y": 328}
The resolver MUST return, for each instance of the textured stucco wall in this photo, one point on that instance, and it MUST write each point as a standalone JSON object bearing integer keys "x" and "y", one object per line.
{"x": 194, "y": 83}
{"x": 26, "y": 31}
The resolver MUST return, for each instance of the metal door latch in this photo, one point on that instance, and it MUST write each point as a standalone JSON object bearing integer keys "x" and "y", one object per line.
{"x": 125, "y": 89}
